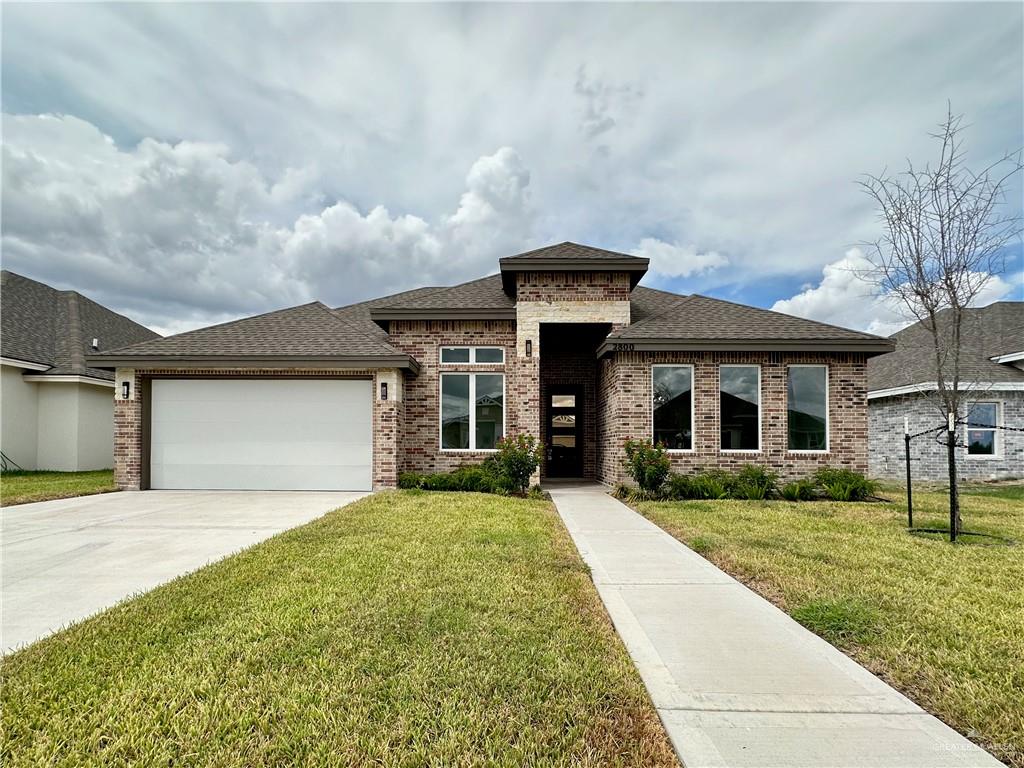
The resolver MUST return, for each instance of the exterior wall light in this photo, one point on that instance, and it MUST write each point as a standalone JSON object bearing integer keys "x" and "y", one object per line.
{"x": 126, "y": 389}
{"x": 529, "y": 348}
{"x": 383, "y": 390}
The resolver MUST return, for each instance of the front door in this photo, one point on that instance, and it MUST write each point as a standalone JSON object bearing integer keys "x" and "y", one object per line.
{"x": 565, "y": 433}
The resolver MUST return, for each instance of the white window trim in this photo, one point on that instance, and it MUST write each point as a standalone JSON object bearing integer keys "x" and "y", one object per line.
{"x": 472, "y": 354}
{"x": 693, "y": 415}
{"x": 472, "y": 410}
{"x": 760, "y": 409}
{"x": 997, "y": 443}
{"x": 828, "y": 407}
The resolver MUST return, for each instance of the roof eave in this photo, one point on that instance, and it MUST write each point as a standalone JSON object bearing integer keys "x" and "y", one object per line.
{"x": 870, "y": 347}
{"x": 387, "y": 314}
{"x": 187, "y": 362}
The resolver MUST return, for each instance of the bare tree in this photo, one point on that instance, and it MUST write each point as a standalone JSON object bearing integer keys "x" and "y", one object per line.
{"x": 945, "y": 234}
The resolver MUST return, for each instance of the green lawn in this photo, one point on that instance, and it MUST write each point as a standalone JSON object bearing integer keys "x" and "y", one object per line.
{"x": 22, "y": 486}
{"x": 943, "y": 623}
{"x": 409, "y": 628}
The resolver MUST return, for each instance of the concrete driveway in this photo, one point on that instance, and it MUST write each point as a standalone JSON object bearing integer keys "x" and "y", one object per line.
{"x": 65, "y": 560}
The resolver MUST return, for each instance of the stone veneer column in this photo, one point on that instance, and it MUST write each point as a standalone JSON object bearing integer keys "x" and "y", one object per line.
{"x": 388, "y": 422}
{"x": 127, "y": 431}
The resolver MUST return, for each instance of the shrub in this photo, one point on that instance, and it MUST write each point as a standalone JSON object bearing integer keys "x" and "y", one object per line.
{"x": 621, "y": 491}
{"x": 648, "y": 464}
{"x": 798, "y": 490}
{"x": 754, "y": 482}
{"x": 681, "y": 487}
{"x": 536, "y": 492}
{"x": 410, "y": 480}
{"x": 713, "y": 484}
{"x": 516, "y": 460}
{"x": 842, "y": 484}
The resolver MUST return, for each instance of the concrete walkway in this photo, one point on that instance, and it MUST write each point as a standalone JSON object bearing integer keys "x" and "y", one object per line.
{"x": 67, "y": 559}
{"x": 734, "y": 679}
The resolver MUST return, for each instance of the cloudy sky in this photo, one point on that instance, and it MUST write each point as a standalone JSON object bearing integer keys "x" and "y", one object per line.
{"x": 187, "y": 164}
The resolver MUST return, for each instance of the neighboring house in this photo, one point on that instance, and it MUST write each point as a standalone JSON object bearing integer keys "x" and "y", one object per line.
{"x": 561, "y": 344}
{"x": 903, "y": 385}
{"x": 55, "y": 411}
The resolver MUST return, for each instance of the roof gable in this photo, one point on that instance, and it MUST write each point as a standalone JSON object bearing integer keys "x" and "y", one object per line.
{"x": 570, "y": 257}
{"x": 41, "y": 324}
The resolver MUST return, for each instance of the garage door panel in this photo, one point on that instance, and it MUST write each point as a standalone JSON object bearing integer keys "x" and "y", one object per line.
{"x": 288, "y": 434}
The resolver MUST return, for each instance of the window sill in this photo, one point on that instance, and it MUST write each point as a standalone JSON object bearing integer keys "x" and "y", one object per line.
{"x": 810, "y": 453}
{"x": 739, "y": 450}
{"x": 983, "y": 456}
{"x": 683, "y": 451}
{"x": 468, "y": 450}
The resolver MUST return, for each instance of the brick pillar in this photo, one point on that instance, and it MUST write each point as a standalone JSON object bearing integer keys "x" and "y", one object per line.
{"x": 388, "y": 420}
{"x": 128, "y": 431}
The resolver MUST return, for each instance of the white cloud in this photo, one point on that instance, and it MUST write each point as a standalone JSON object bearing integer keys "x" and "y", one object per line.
{"x": 179, "y": 235}
{"x": 845, "y": 297}
{"x": 674, "y": 260}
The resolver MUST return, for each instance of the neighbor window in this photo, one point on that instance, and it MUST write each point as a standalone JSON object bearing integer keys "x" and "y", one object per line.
{"x": 981, "y": 429}
{"x": 472, "y": 355}
{"x": 740, "y": 407}
{"x": 472, "y": 411}
{"x": 807, "y": 407}
{"x": 672, "y": 391}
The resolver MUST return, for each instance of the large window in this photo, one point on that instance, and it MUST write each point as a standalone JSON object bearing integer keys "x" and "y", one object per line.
{"x": 807, "y": 407}
{"x": 472, "y": 411}
{"x": 472, "y": 355}
{"x": 672, "y": 390}
{"x": 740, "y": 407}
{"x": 982, "y": 420}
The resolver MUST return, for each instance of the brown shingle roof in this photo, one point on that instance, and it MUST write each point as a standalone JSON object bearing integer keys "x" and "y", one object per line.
{"x": 308, "y": 331}
{"x": 701, "y": 321}
{"x": 986, "y": 332}
{"x": 359, "y": 313}
{"x": 574, "y": 251}
{"x": 40, "y": 324}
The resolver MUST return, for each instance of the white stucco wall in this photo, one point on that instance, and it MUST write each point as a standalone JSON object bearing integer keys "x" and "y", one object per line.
{"x": 61, "y": 425}
{"x": 58, "y": 427}
{"x": 18, "y": 417}
{"x": 95, "y": 426}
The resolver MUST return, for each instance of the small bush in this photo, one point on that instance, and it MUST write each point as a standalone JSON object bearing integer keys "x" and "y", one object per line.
{"x": 798, "y": 490}
{"x": 536, "y": 492}
{"x": 622, "y": 491}
{"x": 681, "y": 487}
{"x": 842, "y": 484}
{"x": 410, "y": 480}
{"x": 516, "y": 460}
{"x": 648, "y": 464}
{"x": 754, "y": 482}
{"x": 713, "y": 484}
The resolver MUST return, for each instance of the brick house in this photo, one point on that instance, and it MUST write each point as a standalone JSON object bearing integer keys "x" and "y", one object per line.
{"x": 902, "y": 386}
{"x": 562, "y": 344}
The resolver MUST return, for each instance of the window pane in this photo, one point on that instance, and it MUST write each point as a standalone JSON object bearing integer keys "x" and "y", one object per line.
{"x": 455, "y": 411}
{"x": 490, "y": 420}
{"x": 806, "y": 408}
{"x": 981, "y": 442}
{"x": 739, "y": 403}
{"x": 564, "y": 441}
{"x": 563, "y": 401}
{"x": 673, "y": 393}
{"x": 563, "y": 420}
{"x": 982, "y": 415}
{"x": 490, "y": 355}
{"x": 454, "y": 354}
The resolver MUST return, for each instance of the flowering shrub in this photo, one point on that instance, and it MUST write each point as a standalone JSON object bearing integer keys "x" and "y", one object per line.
{"x": 648, "y": 464}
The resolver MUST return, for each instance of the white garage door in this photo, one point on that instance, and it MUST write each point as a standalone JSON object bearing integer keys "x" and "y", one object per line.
{"x": 261, "y": 434}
